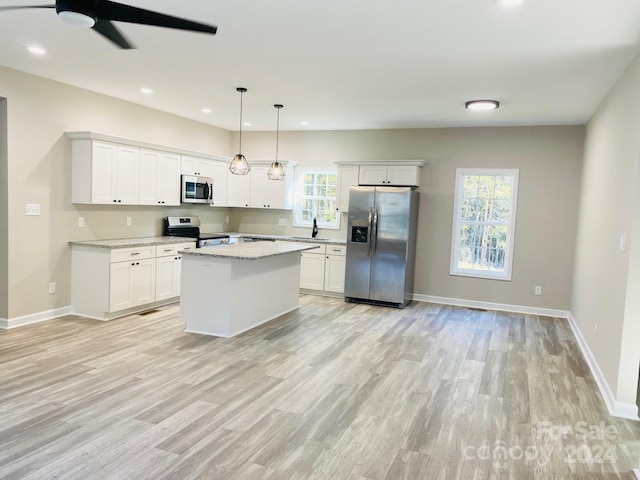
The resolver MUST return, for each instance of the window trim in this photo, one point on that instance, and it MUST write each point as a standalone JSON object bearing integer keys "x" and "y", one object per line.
{"x": 299, "y": 174}
{"x": 511, "y": 227}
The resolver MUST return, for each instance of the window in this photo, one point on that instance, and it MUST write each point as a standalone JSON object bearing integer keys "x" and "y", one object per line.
{"x": 484, "y": 222}
{"x": 316, "y": 198}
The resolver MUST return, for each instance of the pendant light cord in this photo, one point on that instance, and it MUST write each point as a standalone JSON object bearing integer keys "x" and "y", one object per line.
{"x": 240, "y": 146}
{"x": 277, "y": 133}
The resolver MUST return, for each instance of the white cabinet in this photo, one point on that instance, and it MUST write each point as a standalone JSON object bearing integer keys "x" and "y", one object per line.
{"x": 168, "y": 269}
{"x": 323, "y": 268}
{"x": 219, "y": 174}
{"x": 312, "y": 269}
{"x": 195, "y": 166}
{"x": 104, "y": 173}
{"x": 399, "y": 175}
{"x": 255, "y": 190}
{"x": 347, "y": 177}
{"x": 108, "y": 283}
{"x": 132, "y": 283}
{"x": 334, "y": 268}
{"x": 238, "y": 190}
{"x": 159, "y": 174}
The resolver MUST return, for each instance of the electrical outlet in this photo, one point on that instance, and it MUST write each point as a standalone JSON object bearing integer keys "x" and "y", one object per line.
{"x": 227, "y": 220}
{"x": 32, "y": 209}
{"x": 283, "y": 222}
{"x": 81, "y": 222}
{"x": 623, "y": 243}
{"x": 595, "y": 330}
{"x": 538, "y": 290}
{"x": 52, "y": 287}
{"x": 128, "y": 221}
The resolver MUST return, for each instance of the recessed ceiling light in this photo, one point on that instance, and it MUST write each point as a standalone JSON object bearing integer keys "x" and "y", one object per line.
{"x": 146, "y": 91}
{"x": 35, "y": 50}
{"x": 206, "y": 110}
{"x": 508, "y": 3}
{"x": 304, "y": 124}
{"x": 482, "y": 105}
{"x": 247, "y": 124}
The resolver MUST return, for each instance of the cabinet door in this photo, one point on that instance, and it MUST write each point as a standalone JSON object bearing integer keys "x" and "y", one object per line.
{"x": 195, "y": 166}
{"x": 347, "y": 177}
{"x": 219, "y": 174}
{"x": 148, "y": 174}
{"x": 126, "y": 175}
{"x": 168, "y": 175}
{"x": 103, "y": 158}
{"x": 144, "y": 281}
{"x": 259, "y": 186}
{"x": 312, "y": 271}
{"x": 372, "y": 175}
{"x": 238, "y": 190}
{"x": 403, "y": 175}
{"x": 121, "y": 286}
{"x": 166, "y": 268}
{"x": 334, "y": 273}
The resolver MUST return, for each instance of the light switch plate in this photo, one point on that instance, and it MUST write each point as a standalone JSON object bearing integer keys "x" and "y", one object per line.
{"x": 80, "y": 222}
{"x": 32, "y": 209}
{"x": 282, "y": 222}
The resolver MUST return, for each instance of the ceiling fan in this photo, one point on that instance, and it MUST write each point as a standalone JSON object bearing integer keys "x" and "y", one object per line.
{"x": 98, "y": 14}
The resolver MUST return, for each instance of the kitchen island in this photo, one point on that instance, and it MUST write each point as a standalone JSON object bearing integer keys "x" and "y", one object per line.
{"x": 229, "y": 290}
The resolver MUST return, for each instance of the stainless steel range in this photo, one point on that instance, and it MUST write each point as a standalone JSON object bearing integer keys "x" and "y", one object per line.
{"x": 190, "y": 227}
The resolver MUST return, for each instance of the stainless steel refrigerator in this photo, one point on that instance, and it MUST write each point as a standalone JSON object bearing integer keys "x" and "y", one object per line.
{"x": 381, "y": 245}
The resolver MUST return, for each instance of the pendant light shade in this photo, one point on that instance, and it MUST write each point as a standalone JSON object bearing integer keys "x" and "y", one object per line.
{"x": 239, "y": 164}
{"x": 276, "y": 170}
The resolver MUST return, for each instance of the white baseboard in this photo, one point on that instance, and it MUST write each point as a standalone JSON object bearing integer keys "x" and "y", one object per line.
{"x": 616, "y": 409}
{"x": 6, "y": 324}
{"x": 502, "y": 307}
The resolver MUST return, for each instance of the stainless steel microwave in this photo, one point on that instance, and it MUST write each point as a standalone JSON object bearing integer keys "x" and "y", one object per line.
{"x": 196, "y": 189}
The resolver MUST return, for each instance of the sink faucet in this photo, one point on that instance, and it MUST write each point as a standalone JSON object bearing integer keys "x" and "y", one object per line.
{"x": 314, "y": 231}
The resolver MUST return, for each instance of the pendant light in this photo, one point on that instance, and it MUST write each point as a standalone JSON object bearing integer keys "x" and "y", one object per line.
{"x": 239, "y": 164}
{"x": 276, "y": 170}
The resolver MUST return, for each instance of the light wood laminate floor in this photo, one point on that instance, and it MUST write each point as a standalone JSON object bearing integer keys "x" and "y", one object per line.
{"x": 329, "y": 391}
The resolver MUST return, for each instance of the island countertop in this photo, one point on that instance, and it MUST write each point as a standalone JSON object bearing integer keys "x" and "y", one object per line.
{"x": 250, "y": 251}
{"x": 132, "y": 242}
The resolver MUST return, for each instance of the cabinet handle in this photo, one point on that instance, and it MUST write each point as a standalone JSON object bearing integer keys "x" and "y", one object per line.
{"x": 114, "y": 201}
{"x": 137, "y": 263}
{"x": 119, "y": 201}
{"x": 168, "y": 249}
{"x": 133, "y": 254}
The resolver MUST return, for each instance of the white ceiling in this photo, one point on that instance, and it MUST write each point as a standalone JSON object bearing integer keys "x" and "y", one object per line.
{"x": 347, "y": 64}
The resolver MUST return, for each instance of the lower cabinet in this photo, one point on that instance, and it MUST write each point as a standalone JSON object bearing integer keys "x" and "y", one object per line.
{"x": 323, "y": 268}
{"x": 107, "y": 283}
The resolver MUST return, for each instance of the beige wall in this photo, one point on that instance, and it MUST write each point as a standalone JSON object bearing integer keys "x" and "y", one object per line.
{"x": 39, "y": 112}
{"x": 4, "y": 221}
{"x": 606, "y": 280}
{"x": 549, "y": 159}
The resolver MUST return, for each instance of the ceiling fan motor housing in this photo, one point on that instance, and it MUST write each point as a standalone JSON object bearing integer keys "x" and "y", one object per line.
{"x": 83, "y": 7}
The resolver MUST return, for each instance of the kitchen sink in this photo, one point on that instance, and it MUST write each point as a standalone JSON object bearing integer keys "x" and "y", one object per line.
{"x": 311, "y": 239}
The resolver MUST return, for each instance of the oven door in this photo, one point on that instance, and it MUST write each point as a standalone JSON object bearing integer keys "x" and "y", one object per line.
{"x": 197, "y": 189}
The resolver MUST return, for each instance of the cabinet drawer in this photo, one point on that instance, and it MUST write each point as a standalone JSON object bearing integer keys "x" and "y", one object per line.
{"x": 336, "y": 250}
{"x": 138, "y": 253}
{"x": 321, "y": 250}
{"x": 173, "y": 249}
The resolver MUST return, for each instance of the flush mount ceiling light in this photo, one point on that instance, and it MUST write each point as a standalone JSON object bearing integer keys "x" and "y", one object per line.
{"x": 482, "y": 105}
{"x": 35, "y": 50}
{"x": 146, "y": 91}
{"x": 276, "y": 170}
{"x": 239, "y": 164}
{"x": 206, "y": 110}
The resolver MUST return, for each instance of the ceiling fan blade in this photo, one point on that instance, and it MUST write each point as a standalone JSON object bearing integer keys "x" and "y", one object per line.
{"x": 109, "y": 31}
{"x": 108, "y": 10}
{"x": 23, "y": 7}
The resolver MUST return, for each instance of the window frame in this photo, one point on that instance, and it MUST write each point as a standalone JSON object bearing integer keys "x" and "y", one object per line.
{"x": 298, "y": 197}
{"x": 458, "y": 222}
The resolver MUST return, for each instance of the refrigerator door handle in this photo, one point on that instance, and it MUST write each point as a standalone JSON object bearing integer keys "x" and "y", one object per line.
{"x": 369, "y": 230}
{"x": 374, "y": 233}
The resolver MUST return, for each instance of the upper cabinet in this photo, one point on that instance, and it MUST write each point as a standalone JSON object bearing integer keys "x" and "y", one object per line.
{"x": 104, "y": 173}
{"x": 398, "y": 175}
{"x": 347, "y": 177}
{"x": 113, "y": 170}
{"x": 195, "y": 166}
{"x": 159, "y": 182}
{"x": 255, "y": 190}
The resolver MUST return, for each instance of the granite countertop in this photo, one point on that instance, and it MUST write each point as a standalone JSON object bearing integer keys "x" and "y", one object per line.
{"x": 289, "y": 238}
{"x": 249, "y": 251}
{"x": 132, "y": 242}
